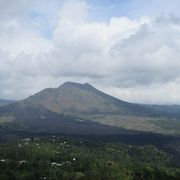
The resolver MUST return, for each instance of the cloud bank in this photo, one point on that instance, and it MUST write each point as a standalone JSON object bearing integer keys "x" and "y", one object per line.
{"x": 134, "y": 59}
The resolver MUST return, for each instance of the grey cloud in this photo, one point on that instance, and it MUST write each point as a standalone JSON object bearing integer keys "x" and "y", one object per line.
{"x": 122, "y": 53}
{"x": 12, "y": 9}
{"x": 171, "y": 18}
{"x": 151, "y": 55}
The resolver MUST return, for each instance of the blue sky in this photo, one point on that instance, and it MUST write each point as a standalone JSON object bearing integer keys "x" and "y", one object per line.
{"x": 103, "y": 10}
{"x": 133, "y": 8}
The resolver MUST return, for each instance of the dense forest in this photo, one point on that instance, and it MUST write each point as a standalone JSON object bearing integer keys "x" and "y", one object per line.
{"x": 67, "y": 158}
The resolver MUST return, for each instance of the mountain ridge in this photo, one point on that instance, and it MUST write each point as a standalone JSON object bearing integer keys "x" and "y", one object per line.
{"x": 72, "y": 106}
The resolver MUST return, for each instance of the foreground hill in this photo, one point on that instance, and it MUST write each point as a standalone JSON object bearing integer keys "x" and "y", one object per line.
{"x": 75, "y": 108}
{"x": 64, "y": 158}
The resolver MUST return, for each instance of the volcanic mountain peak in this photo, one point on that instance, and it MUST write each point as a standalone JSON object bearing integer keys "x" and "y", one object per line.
{"x": 73, "y": 98}
{"x": 78, "y": 99}
{"x": 76, "y": 85}
{"x": 50, "y": 109}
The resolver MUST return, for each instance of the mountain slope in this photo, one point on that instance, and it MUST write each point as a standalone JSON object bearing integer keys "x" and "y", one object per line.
{"x": 28, "y": 117}
{"x": 80, "y": 108}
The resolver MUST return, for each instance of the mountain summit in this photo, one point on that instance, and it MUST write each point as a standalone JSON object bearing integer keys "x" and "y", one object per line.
{"x": 78, "y": 99}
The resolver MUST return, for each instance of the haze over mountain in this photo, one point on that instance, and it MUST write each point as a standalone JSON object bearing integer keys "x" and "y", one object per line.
{"x": 81, "y": 108}
{"x": 4, "y": 102}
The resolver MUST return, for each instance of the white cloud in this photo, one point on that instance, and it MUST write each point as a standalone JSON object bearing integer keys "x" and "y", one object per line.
{"x": 137, "y": 60}
{"x": 74, "y": 10}
{"x": 160, "y": 93}
{"x": 13, "y": 8}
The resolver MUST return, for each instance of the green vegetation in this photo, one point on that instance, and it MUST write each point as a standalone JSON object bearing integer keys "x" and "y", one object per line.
{"x": 58, "y": 158}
